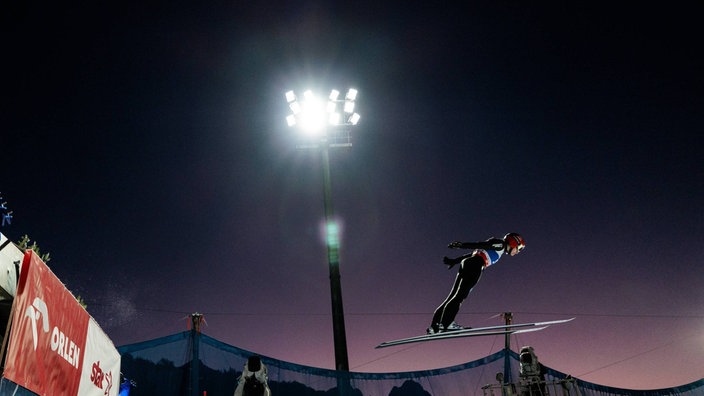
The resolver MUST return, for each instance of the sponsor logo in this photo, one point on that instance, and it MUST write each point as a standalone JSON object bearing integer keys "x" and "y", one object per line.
{"x": 60, "y": 343}
{"x": 35, "y": 311}
{"x": 97, "y": 377}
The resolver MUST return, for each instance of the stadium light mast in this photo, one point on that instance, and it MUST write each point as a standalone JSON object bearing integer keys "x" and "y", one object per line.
{"x": 325, "y": 124}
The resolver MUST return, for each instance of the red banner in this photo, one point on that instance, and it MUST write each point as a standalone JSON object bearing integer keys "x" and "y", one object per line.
{"x": 55, "y": 347}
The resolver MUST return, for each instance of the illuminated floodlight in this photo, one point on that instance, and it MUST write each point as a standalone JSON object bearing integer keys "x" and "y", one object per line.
{"x": 313, "y": 116}
{"x": 349, "y": 107}
{"x": 311, "y": 113}
{"x": 295, "y": 107}
{"x": 351, "y": 94}
{"x": 290, "y": 96}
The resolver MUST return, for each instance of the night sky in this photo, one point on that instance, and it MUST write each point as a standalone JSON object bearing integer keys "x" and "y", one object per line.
{"x": 146, "y": 148}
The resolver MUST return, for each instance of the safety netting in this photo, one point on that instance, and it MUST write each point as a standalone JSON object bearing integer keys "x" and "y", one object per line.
{"x": 191, "y": 363}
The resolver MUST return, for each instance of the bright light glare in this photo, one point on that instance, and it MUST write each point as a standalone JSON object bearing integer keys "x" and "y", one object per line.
{"x": 313, "y": 115}
{"x": 351, "y": 94}
{"x": 290, "y": 96}
{"x": 349, "y": 107}
{"x": 295, "y": 107}
{"x": 331, "y": 234}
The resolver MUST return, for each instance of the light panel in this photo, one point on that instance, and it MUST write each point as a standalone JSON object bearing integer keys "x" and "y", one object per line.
{"x": 313, "y": 117}
{"x": 295, "y": 107}
{"x": 349, "y": 107}
{"x": 290, "y": 96}
{"x": 351, "y": 94}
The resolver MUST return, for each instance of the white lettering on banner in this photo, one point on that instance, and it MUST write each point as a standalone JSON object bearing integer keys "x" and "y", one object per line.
{"x": 65, "y": 348}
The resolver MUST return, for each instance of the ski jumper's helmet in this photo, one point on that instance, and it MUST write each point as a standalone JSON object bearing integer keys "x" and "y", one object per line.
{"x": 514, "y": 241}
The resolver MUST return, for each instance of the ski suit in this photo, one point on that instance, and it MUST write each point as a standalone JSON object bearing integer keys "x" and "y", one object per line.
{"x": 471, "y": 267}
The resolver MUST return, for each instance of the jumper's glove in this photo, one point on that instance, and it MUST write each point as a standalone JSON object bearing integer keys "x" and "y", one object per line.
{"x": 455, "y": 245}
{"x": 451, "y": 262}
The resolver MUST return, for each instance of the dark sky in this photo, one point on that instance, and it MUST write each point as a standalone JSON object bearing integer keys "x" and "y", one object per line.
{"x": 146, "y": 148}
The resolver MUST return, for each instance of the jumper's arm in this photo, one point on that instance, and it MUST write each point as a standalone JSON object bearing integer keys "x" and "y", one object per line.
{"x": 491, "y": 244}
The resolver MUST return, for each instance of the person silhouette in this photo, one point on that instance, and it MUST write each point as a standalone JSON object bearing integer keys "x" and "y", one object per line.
{"x": 254, "y": 379}
{"x": 472, "y": 265}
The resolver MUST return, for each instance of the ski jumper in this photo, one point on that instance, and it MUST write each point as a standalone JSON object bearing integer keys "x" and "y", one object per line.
{"x": 471, "y": 267}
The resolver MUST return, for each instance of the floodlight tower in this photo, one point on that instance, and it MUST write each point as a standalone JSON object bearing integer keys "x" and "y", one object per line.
{"x": 327, "y": 124}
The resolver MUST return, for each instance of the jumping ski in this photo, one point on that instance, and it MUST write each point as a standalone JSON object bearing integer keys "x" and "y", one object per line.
{"x": 476, "y": 332}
